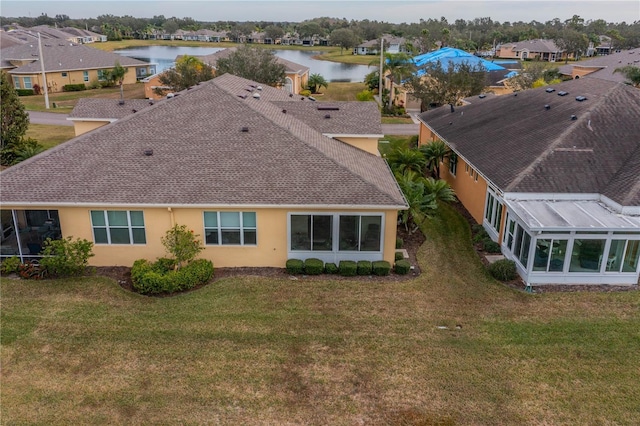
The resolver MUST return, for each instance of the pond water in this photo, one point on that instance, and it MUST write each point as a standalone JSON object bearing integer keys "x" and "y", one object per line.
{"x": 164, "y": 58}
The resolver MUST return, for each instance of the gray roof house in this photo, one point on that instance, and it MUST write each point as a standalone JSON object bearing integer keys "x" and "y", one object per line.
{"x": 228, "y": 158}
{"x": 553, "y": 174}
{"x": 603, "y": 67}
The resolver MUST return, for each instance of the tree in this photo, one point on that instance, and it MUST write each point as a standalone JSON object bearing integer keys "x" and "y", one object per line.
{"x": 15, "y": 119}
{"x": 182, "y": 244}
{"x": 345, "y": 38}
{"x": 402, "y": 160}
{"x": 274, "y": 32}
{"x": 116, "y": 75}
{"x": 632, "y": 73}
{"x": 434, "y": 154}
{"x": 531, "y": 76}
{"x": 440, "y": 190}
{"x": 309, "y": 29}
{"x": 440, "y": 86}
{"x": 316, "y": 81}
{"x": 170, "y": 26}
{"x": 421, "y": 204}
{"x": 399, "y": 66}
{"x": 187, "y": 72}
{"x": 572, "y": 41}
{"x": 255, "y": 64}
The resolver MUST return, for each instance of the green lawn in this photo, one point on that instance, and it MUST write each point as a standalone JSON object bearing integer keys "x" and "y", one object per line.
{"x": 271, "y": 351}
{"x": 50, "y": 136}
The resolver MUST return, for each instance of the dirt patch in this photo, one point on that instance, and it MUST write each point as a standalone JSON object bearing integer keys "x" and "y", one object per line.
{"x": 411, "y": 242}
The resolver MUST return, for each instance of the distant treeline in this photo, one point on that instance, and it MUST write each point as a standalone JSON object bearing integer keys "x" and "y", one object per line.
{"x": 476, "y": 34}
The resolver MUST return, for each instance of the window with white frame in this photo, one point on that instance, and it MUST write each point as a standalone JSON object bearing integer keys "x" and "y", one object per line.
{"x": 317, "y": 232}
{"x": 360, "y": 233}
{"x": 230, "y": 228}
{"x": 27, "y": 82}
{"x": 85, "y": 75}
{"x": 623, "y": 256}
{"x": 118, "y": 227}
{"x": 16, "y": 82}
{"x": 312, "y": 232}
{"x": 102, "y": 75}
{"x": 493, "y": 210}
{"x": 64, "y": 74}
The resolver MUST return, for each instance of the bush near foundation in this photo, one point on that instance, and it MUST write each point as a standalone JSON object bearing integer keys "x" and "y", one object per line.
{"x": 363, "y": 267}
{"x": 295, "y": 266}
{"x": 348, "y": 268}
{"x": 402, "y": 267}
{"x": 381, "y": 268}
{"x": 159, "y": 277}
{"x": 313, "y": 266}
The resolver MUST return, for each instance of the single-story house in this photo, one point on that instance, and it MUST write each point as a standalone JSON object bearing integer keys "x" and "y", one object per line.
{"x": 553, "y": 176}
{"x": 296, "y": 75}
{"x": 540, "y": 49}
{"x": 392, "y": 44}
{"x": 259, "y": 174}
{"x": 603, "y": 67}
{"x": 65, "y": 63}
{"x": 91, "y": 113}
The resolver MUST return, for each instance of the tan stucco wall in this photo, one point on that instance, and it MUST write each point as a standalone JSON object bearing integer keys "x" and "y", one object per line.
{"x": 81, "y": 127}
{"x": 369, "y": 145}
{"x": 578, "y": 71}
{"x": 149, "y": 85}
{"x": 55, "y": 80}
{"x": 272, "y": 238}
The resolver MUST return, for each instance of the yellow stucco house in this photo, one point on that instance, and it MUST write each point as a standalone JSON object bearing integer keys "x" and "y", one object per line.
{"x": 553, "y": 176}
{"x": 296, "y": 75}
{"x": 259, "y": 175}
{"x": 65, "y": 63}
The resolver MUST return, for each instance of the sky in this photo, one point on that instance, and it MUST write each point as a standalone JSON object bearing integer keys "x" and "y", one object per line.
{"x": 298, "y": 10}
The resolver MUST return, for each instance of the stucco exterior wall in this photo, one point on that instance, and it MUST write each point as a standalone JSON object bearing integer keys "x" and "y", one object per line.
{"x": 81, "y": 127}
{"x": 56, "y": 81}
{"x": 270, "y": 250}
{"x": 369, "y": 145}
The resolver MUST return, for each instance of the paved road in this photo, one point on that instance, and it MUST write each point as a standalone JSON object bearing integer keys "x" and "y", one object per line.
{"x": 400, "y": 129}
{"x": 51, "y": 118}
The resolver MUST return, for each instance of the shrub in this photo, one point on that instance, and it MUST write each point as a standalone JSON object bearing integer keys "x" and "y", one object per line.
{"x": 381, "y": 268}
{"x": 363, "y": 267}
{"x": 399, "y": 256}
{"x": 480, "y": 236}
{"x": 66, "y": 257}
{"x": 364, "y": 96}
{"x": 399, "y": 243}
{"x": 503, "y": 270}
{"x": 295, "y": 266}
{"x": 154, "y": 278}
{"x": 31, "y": 270}
{"x": 25, "y": 92}
{"x": 331, "y": 268}
{"x": 476, "y": 227}
{"x": 491, "y": 246}
{"x": 305, "y": 92}
{"x": 402, "y": 267}
{"x": 348, "y": 268}
{"x": 313, "y": 266}
{"x": 74, "y": 87}
{"x": 182, "y": 244}
{"x": 10, "y": 265}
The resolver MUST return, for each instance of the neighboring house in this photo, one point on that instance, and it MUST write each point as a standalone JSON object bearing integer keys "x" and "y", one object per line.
{"x": 552, "y": 175}
{"x": 296, "y": 75}
{"x": 80, "y": 36}
{"x": 91, "y": 113}
{"x": 540, "y": 49}
{"x": 603, "y": 67}
{"x": 65, "y": 63}
{"x": 392, "y": 44}
{"x": 260, "y": 175}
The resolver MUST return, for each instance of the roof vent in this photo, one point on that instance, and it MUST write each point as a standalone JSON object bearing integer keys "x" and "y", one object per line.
{"x": 249, "y": 90}
{"x": 312, "y": 98}
{"x": 581, "y": 98}
{"x": 242, "y": 96}
{"x": 550, "y": 89}
{"x": 482, "y": 96}
{"x": 327, "y": 116}
{"x": 284, "y": 111}
{"x": 452, "y": 108}
{"x": 573, "y": 117}
{"x": 563, "y": 93}
{"x": 547, "y": 106}
{"x": 515, "y": 94}
{"x": 291, "y": 95}
{"x": 245, "y": 130}
{"x": 321, "y": 107}
{"x": 259, "y": 87}
{"x": 256, "y": 95}
{"x": 120, "y": 102}
{"x": 134, "y": 110}
{"x": 148, "y": 152}
{"x": 151, "y": 102}
{"x": 170, "y": 95}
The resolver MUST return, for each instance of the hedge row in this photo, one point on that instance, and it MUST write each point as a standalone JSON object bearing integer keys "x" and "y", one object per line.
{"x": 160, "y": 277}
{"x": 346, "y": 268}
{"x": 74, "y": 87}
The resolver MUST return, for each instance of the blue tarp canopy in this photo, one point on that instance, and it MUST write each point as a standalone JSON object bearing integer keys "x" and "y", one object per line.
{"x": 449, "y": 55}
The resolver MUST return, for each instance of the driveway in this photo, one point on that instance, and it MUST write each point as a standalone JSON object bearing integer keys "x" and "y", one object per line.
{"x": 50, "y": 118}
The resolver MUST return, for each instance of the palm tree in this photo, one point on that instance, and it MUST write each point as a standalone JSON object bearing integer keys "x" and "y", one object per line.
{"x": 316, "y": 81}
{"x": 421, "y": 203}
{"x": 402, "y": 160}
{"x": 632, "y": 73}
{"x": 440, "y": 190}
{"x": 398, "y": 67}
{"x": 435, "y": 153}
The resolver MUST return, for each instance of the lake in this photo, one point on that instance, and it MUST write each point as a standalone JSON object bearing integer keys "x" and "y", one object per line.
{"x": 164, "y": 58}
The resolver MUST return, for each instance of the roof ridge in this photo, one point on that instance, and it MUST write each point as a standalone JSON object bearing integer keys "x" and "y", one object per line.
{"x": 560, "y": 139}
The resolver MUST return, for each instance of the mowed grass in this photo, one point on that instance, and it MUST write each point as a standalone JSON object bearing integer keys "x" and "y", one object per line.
{"x": 49, "y": 136}
{"x": 261, "y": 351}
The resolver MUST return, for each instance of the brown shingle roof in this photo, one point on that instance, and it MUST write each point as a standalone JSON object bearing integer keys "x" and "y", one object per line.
{"x": 604, "y": 67}
{"x": 107, "y": 108}
{"x": 212, "y": 59}
{"x": 201, "y": 156}
{"x": 522, "y": 147}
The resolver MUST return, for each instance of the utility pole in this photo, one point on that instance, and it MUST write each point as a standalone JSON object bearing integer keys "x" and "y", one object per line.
{"x": 44, "y": 75}
{"x": 380, "y": 87}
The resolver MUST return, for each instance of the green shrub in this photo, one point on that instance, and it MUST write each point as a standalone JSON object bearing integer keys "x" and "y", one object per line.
{"x": 305, "y": 93}
{"x": 313, "y": 266}
{"x": 25, "y": 92}
{"x": 348, "y": 268}
{"x": 402, "y": 267}
{"x": 480, "y": 236}
{"x": 153, "y": 278}
{"x": 476, "y": 227}
{"x": 503, "y": 270}
{"x": 66, "y": 257}
{"x": 74, "y": 87}
{"x": 399, "y": 243}
{"x": 182, "y": 244}
{"x": 164, "y": 264}
{"x": 295, "y": 266}
{"x": 381, "y": 268}
{"x": 491, "y": 246}
{"x": 10, "y": 265}
{"x": 399, "y": 255}
{"x": 363, "y": 267}
{"x": 364, "y": 96}
{"x": 331, "y": 268}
